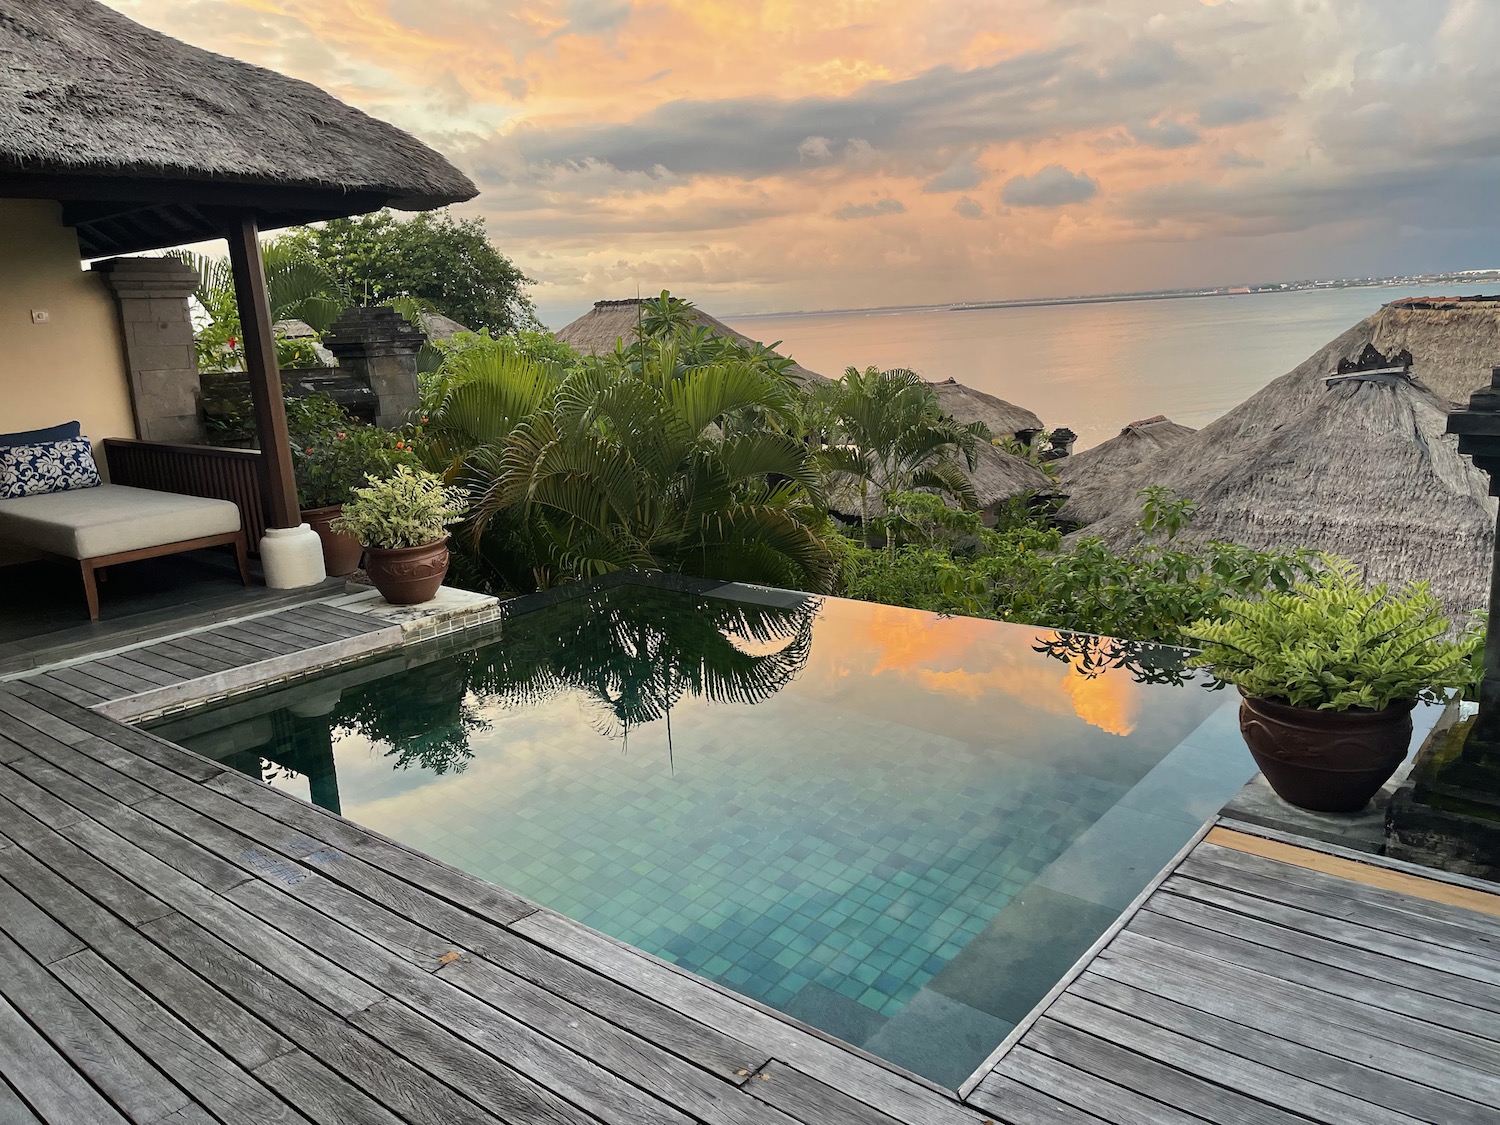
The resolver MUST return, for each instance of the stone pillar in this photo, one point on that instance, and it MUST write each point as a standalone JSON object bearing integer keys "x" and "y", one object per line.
{"x": 380, "y": 347}
{"x": 157, "y": 327}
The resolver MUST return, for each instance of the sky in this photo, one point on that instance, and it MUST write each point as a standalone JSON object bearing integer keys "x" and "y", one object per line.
{"x": 820, "y": 154}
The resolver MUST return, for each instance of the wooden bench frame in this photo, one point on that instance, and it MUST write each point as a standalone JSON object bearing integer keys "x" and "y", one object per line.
{"x": 91, "y": 567}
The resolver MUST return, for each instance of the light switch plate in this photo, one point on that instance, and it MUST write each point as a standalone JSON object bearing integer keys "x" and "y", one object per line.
{"x": 40, "y": 316}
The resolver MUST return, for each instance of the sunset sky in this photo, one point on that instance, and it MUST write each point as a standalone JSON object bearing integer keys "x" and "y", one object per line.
{"x": 847, "y": 153}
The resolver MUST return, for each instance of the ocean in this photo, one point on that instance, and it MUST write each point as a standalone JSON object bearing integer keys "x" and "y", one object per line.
{"x": 1093, "y": 368}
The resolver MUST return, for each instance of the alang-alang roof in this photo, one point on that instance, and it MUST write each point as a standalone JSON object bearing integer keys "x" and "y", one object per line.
{"x": 147, "y": 140}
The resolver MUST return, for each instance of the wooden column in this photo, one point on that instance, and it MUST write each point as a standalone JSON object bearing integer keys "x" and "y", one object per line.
{"x": 279, "y": 480}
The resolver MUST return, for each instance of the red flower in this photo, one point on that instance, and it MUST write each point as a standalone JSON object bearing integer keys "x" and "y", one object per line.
{"x": 309, "y": 449}
{"x": 232, "y": 342}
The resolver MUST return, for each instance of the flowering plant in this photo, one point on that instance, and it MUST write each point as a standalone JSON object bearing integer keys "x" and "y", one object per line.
{"x": 409, "y": 508}
{"x": 334, "y": 461}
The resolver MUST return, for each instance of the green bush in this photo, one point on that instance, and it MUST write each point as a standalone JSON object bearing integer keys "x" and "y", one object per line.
{"x": 1024, "y": 573}
{"x": 1331, "y": 644}
{"x": 410, "y": 508}
{"x": 334, "y": 462}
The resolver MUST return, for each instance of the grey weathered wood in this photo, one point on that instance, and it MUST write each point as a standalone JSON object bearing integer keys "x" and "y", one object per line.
{"x": 880, "y": 1087}
{"x": 13, "y": 1111}
{"x": 78, "y": 689}
{"x": 1348, "y": 911}
{"x": 1402, "y": 1014}
{"x": 355, "y": 623}
{"x": 198, "y": 662}
{"x": 145, "y": 674}
{"x": 168, "y": 661}
{"x": 320, "y": 1093}
{"x": 224, "y": 646}
{"x": 372, "y": 1066}
{"x": 1353, "y": 1003}
{"x": 45, "y": 1079}
{"x": 1301, "y": 1045}
{"x": 190, "y": 1060}
{"x": 1249, "y": 1077}
{"x": 257, "y": 637}
{"x": 1015, "y": 1103}
{"x": 233, "y": 1030}
{"x": 1090, "y": 1092}
{"x": 790, "y": 1090}
{"x": 1324, "y": 951}
{"x": 286, "y": 635}
{"x": 33, "y": 929}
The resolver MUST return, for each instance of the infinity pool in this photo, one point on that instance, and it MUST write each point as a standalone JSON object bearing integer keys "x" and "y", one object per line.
{"x": 898, "y": 827}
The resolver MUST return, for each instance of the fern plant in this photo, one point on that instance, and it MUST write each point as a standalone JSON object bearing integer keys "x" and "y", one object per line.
{"x": 1331, "y": 644}
{"x": 411, "y": 508}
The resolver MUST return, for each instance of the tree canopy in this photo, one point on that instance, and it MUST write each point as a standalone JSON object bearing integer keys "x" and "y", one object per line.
{"x": 447, "y": 264}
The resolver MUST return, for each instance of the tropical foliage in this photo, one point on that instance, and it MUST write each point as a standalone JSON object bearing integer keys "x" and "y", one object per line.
{"x": 887, "y": 434}
{"x": 408, "y": 508}
{"x": 299, "y": 288}
{"x": 1026, "y": 573}
{"x": 446, "y": 264}
{"x": 332, "y": 461}
{"x": 648, "y": 463}
{"x": 1330, "y": 643}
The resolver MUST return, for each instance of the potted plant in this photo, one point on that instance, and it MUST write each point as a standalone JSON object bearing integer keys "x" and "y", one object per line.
{"x": 330, "y": 464}
{"x": 1329, "y": 672}
{"x": 401, "y": 521}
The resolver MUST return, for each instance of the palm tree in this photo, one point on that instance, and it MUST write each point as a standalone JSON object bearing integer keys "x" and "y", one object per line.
{"x": 889, "y": 435}
{"x": 654, "y": 466}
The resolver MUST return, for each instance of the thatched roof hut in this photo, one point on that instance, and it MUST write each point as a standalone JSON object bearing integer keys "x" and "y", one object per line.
{"x": 1081, "y": 475}
{"x": 1453, "y": 341}
{"x": 93, "y": 101}
{"x": 610, "y": 323}
{"x": 997, "y": 477}
{"x": 1361, "y": 468}
{"x": 965, "y": 404}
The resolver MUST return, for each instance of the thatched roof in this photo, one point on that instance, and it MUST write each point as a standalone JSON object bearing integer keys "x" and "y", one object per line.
{"x": 997, "y": 477}
{"x": 1362, "y": 469}
{"x": 440, "y": 327}
{"x": 610, "y": 323}
{"x": 965, "y": 404}
{"x": 97, "y": 108}
{"x": 1453, "y": 342}
{"x": 1081, "y": 475}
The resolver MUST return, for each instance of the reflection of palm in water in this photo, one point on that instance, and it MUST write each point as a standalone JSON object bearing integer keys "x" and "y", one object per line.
{"x": 636, "y": 653}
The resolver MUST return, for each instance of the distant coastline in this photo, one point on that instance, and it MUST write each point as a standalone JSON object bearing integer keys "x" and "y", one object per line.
{"x": 1462, "y": 277}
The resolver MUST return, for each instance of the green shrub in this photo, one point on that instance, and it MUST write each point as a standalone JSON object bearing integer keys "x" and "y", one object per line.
{"x": 1329, "y": 643}
{"x": 334, "y": 462}
{"x": 410, "y": 508}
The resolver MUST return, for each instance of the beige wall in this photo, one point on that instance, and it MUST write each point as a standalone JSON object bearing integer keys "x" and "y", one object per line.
{"x": 72, "y": 366}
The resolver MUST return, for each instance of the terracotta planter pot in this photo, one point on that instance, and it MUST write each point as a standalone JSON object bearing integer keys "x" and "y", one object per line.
{"x": 1327, "y": 761}
{"x": 341, "y": 550}
{"x": 408, "y": 575}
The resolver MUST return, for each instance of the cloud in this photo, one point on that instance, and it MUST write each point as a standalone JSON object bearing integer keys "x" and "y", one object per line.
{"x": 1236, "y": 159}
{"x": 1166, "y": 134}
{"x": 969, "y": 208}
{"x": 962, "y": 175}
{"x": 1232, "y": 110}
{"x": 1053, "y": 186}
{"x": 869, "y": 210}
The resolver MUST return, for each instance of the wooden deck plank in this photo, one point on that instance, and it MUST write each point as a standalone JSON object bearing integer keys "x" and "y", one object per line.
{"x": 1408, "y": 974}
{"x": 1089, "y": 1090}
{"x": 81, "y": 688}
{"x": 112, "y": 1064}
{"x": 1391, "y": 1011}
{"x": 201, "y": 663}
{"x": 356, "y": 623}
{"x": 123, "y": 683}
{"x": 194, "y": 1064}
{"x": 281, "y": 632}
{"x": 1015, "y": 1103}
{"x": 125, "y": 664}
{"x": 170, "y": 661}
{"x": 1303, "y": 1046}
{"x": 45, "y": 1079}
{"x": 1276, "y": 887}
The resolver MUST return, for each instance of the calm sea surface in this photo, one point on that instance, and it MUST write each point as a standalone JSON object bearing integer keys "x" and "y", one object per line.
{"x": 1093, "y": 368}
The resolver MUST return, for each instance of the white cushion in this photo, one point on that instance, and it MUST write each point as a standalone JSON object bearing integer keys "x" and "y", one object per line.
{"x": 90, "y": 522}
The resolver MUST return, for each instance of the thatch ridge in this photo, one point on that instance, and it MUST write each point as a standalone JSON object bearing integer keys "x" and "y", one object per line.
{"x": 965, "y": 404}
{"x": 85, "y": 91}
{"x": 1361, "y": 469}
{"x": 610, "y": 323}
{"x": 1083, "y": 475}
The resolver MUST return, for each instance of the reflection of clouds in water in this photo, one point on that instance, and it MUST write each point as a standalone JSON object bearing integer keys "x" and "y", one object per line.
{"x": 960, "y": 658}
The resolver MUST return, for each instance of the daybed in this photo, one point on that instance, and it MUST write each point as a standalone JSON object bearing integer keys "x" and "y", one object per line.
{"x": 114, "y": 523}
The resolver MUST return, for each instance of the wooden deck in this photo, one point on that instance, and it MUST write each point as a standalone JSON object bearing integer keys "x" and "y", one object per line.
{"x": 1267, "y": 982}
{"x": 183, "y": 944}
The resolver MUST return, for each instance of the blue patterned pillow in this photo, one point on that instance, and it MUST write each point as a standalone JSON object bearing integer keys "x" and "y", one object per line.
{"x": 50, "y": 466}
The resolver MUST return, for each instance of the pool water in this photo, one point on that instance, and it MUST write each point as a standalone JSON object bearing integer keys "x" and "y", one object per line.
{"x": 898, "y": 827}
